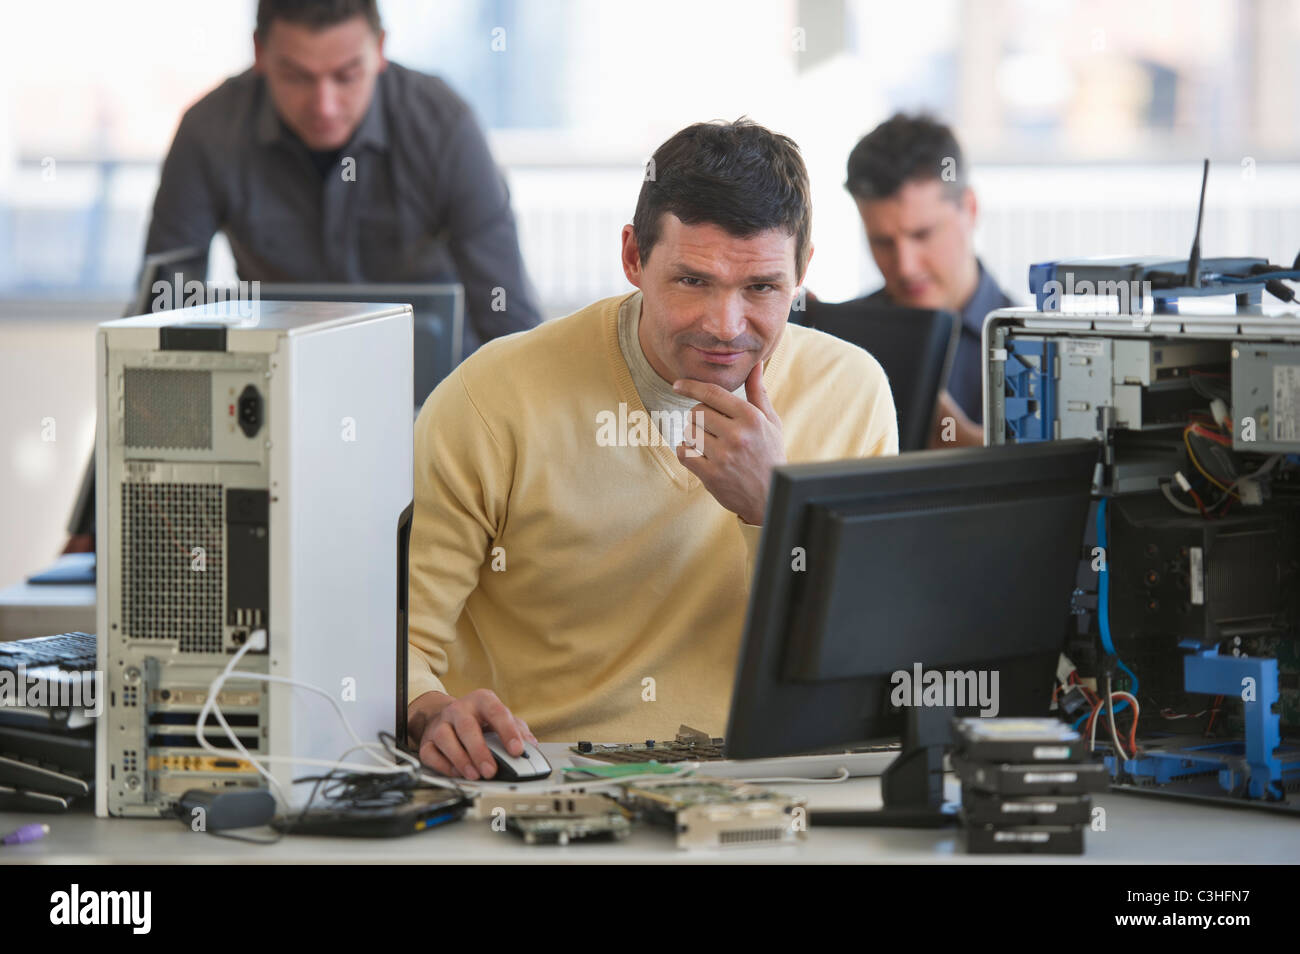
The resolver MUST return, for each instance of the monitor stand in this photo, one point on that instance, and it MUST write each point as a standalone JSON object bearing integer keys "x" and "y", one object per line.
{"x": 912, "y": 786}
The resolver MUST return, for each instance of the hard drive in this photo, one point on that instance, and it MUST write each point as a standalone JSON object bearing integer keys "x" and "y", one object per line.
{"x": 1017, "y": 740}
{"x": 1048, "y": 778}
{"x": 982, "y": 808}
{"x": 1025, "y": 839}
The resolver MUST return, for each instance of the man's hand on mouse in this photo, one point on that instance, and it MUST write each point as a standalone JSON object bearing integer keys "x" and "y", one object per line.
{"x": 450, "y": 732}
{"x": 741, "y": 443}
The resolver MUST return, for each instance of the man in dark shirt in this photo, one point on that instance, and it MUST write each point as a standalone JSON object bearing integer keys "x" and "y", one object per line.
{"x": 908, "y": 179}
{"x": 326, "y": 163}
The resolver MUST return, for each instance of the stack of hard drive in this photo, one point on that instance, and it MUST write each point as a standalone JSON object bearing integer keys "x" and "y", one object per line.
{"x": 1025, "y": 787}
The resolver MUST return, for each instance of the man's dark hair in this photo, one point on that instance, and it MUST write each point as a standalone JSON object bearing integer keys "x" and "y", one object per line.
{"x": 739, "y": 176}
{"x": 905, "y": 148}
{"x": 316, "y": 14}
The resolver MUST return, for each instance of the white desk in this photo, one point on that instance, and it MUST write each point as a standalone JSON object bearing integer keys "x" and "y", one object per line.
{"x": 46, "y": 609}
{"x": 1138, "y": 830}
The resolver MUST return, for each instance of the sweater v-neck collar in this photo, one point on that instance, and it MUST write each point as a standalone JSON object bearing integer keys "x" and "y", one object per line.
{"x": 667, "y": 456}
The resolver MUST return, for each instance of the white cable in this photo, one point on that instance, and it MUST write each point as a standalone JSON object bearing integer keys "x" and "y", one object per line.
{"x": 1264, "y": 468}
{"x": 210, "y": 702}
{"x": 843, "y": 776}
{"x": 1137, "y": 712}
{"x": 1110, "y": 718}
{"x": 369, "y": 747}
{"x": 257, "y": 640}
{"x": 1178, "y": 504}
{"x": 1096, "y": 717}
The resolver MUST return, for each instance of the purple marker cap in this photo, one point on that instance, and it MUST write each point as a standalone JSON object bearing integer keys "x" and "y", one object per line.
{"x": 26, "y": 833}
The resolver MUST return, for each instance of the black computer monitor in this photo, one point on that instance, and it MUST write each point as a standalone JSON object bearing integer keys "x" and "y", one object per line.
{"x": 956, "y": 561}
{"x": 914, "y": 346}
{"x": 439, "y": 314}
{"x": 163, "y": 277}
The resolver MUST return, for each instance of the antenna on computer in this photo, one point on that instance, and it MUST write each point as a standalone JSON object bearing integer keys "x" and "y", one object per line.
{"x": 1194, "y": 259}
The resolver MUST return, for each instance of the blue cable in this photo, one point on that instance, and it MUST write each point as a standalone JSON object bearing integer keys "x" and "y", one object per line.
{"x": 1103, "y": 611}
{"x": 1103, "y": 599}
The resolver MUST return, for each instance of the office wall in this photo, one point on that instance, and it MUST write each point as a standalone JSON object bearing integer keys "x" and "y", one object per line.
{"x": 47, "y": 370}
{"x": 570, "y": 219}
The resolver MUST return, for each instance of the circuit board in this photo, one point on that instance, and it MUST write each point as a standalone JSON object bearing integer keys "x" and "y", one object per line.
{"x": 537, "y": 830}
{"x": 690, "y": 745}
{"x": 718, "y": 813}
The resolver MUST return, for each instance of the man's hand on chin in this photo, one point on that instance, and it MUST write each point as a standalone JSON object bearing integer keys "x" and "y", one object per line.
{"x": 732, "y": 444}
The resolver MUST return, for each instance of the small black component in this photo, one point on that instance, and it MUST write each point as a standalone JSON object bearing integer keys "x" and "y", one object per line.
{"x": 1074, "y": 703}
{"x": 249, "y": 565}
{"x": 223, "y": 810}
{"x": 1279, "y": 290}
{"x": 192, "y": 337}
{"x": 584, "y": 746}
{"x": 249, "y": 409}
{"x": 649, "y": 743}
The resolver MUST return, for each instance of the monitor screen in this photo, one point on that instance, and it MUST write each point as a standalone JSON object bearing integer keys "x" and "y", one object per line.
{"x": 881, "y": 572}
{"x": 439, "y": 315}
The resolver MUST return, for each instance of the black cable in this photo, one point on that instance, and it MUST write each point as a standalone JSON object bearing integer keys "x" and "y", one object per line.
{"x": 361, "y": 790}
{"x": 252, "y": 841}
{"x": 1218, "y": 460}
{"x": 357, "y": 789}
{"x": 1280, "y": 290}
{"x": 1194, "y": 259}
{"x": 1211, "y": 388}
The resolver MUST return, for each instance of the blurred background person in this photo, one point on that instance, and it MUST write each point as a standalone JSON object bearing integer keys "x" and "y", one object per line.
{"x": 324, "y": 162}
{"x": 908, "y": 179}
{"x": 1083, "y": 125}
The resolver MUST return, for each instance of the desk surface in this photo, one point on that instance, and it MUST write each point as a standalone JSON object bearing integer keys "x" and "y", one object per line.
{"x": 1138, "y": 830}
{"x": 29, "y": 609}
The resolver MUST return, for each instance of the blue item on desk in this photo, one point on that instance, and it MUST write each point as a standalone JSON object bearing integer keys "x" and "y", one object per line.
{"x": 69, "y": 569}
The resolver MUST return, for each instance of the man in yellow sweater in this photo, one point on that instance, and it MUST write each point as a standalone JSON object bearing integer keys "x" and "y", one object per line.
{"x": 589, "y": 494}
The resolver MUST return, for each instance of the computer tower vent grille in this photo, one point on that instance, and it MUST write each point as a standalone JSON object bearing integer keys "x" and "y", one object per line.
{"x": 172, "y": 572}
{"x": 166, "y": 408}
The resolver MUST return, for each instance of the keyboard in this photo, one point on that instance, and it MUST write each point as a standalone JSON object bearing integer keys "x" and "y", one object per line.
{"x": 62, "y": 669}
{"x": 47, "y": 749}
{"x": 693, "y": 746}
{"x": 72, "y": 652}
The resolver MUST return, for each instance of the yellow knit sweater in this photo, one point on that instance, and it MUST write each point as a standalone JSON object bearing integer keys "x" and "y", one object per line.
{"x": 599, "y": 590}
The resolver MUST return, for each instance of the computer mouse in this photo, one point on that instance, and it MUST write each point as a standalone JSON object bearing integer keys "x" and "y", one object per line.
{"x": 527, "y": 767}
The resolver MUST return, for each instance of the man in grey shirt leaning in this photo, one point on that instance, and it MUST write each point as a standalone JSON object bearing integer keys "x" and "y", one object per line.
{"x": 326, "y": 163}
